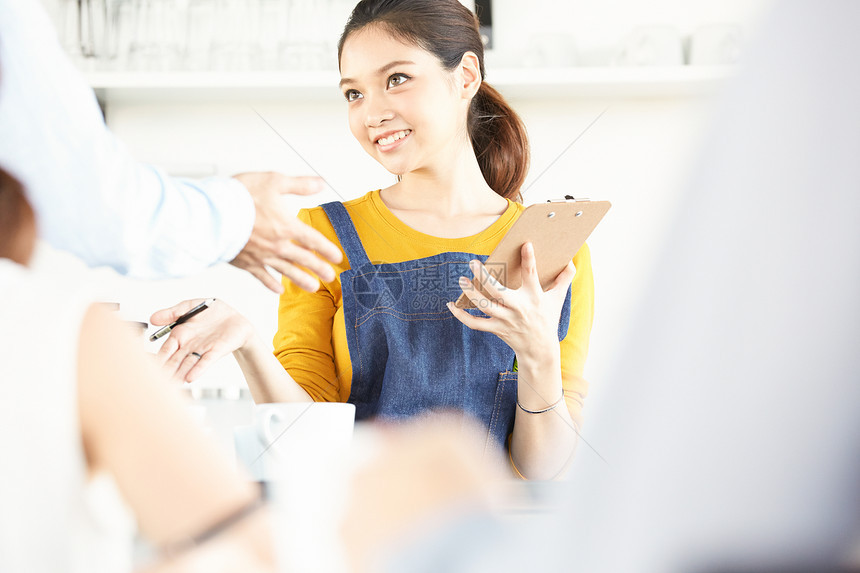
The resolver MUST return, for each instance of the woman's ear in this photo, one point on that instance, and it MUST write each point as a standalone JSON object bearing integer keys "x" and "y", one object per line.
{"x": 470, "y": 75}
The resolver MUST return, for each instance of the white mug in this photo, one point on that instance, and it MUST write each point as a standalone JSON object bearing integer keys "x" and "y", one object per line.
{"x": 651, "y": 46}
{"x": 716, "y": 45}
{"x": 303, "y": 451}
{"x": 286, "y": 437}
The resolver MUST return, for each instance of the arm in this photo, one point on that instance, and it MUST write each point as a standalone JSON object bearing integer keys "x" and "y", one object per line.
{"x": 197, "y": 344}
{"x": 173, "y": 477}
{"x": 94, "y": 199}
{"x": 90, "y": 195}
{"x": 303, "y": 365}
{"x": 561, "y": 425}
{"x": 542, "y": 444}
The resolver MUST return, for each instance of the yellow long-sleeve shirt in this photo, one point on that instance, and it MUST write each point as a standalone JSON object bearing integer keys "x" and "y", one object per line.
{"x": 311, "y": 340}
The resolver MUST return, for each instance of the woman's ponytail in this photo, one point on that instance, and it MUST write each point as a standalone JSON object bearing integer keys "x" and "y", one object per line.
{"x": 500, "y": 142}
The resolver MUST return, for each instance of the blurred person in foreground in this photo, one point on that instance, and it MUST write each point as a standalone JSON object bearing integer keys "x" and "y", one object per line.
{"x": 732, "y": 432}
{"x": 84, "y": 401}
{"x": 93, "y": 199}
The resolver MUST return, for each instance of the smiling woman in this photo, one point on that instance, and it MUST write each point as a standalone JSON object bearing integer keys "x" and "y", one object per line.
{"x": 443, "y": 32}
{"x": 383, "y": 335}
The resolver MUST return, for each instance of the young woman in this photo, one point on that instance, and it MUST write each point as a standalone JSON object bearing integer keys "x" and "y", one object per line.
{"x": 383, "y": 335}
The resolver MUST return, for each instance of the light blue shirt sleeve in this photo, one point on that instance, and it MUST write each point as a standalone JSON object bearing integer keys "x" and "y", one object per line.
{"x": 91, "y": 196}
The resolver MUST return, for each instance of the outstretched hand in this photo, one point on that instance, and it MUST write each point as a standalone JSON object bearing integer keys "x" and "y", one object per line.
{"x": 193, "y": 346}
{"x": 280, "y": 240}
{"x": 525, "y": 318}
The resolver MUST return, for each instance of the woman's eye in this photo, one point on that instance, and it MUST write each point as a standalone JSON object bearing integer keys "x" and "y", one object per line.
{"x": 352, "y": 95}
{"x": 397, "y": 79}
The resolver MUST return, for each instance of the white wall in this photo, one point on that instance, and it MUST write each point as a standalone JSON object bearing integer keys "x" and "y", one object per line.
{"x": 636, "y": 156}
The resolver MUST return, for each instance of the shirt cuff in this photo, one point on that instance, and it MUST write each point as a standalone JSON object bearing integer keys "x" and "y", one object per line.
{"x": 233, "y": 198}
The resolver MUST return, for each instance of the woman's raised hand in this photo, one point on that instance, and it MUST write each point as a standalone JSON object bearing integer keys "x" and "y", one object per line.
{"x": 525, "y": 318}
{"x": 193, "y": 346}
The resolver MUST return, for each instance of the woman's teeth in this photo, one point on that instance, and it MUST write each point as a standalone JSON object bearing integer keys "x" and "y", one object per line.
{"x": 394, "y": 137}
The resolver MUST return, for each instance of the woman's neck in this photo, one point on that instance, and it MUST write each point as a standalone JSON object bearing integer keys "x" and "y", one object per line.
{"x": 451, "y": 187}
{"x": 449, "y": 200}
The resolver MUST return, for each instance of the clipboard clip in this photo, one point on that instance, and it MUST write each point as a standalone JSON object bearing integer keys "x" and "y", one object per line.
{"x": 568, "y": 198}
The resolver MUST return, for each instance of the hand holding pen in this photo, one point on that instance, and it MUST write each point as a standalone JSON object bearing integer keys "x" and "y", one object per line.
{"x": 194, "y": 311}
{"x": 195, "y": 345}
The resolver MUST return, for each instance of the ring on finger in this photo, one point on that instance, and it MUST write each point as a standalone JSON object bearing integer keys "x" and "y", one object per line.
{"x": 196, "y": 355}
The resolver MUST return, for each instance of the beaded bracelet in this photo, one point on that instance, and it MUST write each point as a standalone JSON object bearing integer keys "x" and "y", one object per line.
{"x": 560, "y": 400}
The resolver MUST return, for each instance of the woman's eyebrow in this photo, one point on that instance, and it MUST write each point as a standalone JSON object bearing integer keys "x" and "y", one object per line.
{"x": 380, "y": 71}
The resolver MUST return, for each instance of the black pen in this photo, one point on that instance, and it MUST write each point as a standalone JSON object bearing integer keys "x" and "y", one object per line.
{"x": 194, "y": 311}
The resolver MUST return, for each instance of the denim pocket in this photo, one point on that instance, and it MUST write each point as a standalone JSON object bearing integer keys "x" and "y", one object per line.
{"x": 504, "y": 409}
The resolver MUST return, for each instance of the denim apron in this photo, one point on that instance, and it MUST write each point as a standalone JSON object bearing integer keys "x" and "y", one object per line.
{"x": 408, "y": 352}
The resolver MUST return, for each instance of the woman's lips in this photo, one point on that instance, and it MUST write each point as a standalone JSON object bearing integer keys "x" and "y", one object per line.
{"x": 392, "y": 139}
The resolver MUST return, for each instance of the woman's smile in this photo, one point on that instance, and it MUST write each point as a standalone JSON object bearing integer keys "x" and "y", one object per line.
{"x": 392, "y": 140}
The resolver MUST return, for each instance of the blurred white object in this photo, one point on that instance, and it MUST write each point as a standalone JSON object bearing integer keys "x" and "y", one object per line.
{"x": 302, "y": 432}
{"x": 235, "y": 38}
{"x": 158, "y": 40}
{"x": 302, "y": 451}
{"x": 716, "y": 45}
{"x": 651, "y": 46}
{"x": 550, "y": 51}
{"x": 732, "y": 423}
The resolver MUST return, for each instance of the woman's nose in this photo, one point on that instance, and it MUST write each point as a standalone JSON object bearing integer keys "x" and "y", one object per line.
{"x": 377, "y": 114}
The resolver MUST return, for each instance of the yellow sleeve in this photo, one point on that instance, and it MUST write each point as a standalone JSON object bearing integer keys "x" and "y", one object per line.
{"x": 574, "y": 346}
{"x": 303, "y": 342}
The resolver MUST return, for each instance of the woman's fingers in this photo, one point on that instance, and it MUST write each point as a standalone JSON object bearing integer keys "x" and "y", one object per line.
{"x": 200, "y": 365}
{"x": 473, "y": 322}
{"x": 489, "y": 306}
{"x": 167, "y": 350}
{"x": 186, "y": 363}
{"x": 494, "y": 290}
{"x": 564, "y": 278}
{"x": 531, "y": 280}
{"x": 168, "y": 315}
{"x": 175, "y": 356}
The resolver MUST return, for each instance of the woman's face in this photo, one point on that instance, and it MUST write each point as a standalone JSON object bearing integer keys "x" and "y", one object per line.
{"x": 403, "y": 106}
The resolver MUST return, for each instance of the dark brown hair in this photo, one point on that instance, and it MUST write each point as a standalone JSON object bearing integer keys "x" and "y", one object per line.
{"x": 448, "y": 30}
{"x": 17, "y": 222}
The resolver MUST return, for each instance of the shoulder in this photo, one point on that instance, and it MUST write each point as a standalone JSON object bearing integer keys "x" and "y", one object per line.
{"x": 38, "y": 301}
{"x": 42, "y": 329}
{"x": 316, "y": 216}
{"x": 361, "y": 211}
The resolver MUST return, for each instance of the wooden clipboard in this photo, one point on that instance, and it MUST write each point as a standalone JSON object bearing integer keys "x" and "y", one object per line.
{"x": 557, "y": 229}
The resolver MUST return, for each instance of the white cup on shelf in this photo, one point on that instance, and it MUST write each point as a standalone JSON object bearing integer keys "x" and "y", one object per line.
{"x": 716, "y": 45}
{"x": 550, "y": 50}
{"x": 651, "y": 46}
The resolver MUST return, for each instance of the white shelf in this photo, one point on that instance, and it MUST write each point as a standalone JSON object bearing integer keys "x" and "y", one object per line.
{"x": 609, "y": 82}
{"x": 310, "y": 86}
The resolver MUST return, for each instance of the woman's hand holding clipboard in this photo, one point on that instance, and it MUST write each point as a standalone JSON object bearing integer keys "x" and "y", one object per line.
{"x": 556, "y": 230}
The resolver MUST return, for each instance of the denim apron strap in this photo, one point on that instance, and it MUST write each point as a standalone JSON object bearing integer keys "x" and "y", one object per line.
{"x": 346, "y": 234}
